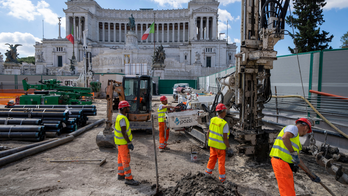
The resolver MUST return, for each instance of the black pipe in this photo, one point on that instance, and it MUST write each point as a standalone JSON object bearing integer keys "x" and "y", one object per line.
{"x": 73, "y": 111}
{"x": 51, "y": 134}
{"x": 11, "y": 135}
{"x": 15, "y": 150}
{"x": 21, "y": 128}
{"x": 28, "y": 152}
{"x": 52, "y": 126}
{"x": 53, "y": 106}
{"x": 83, "y": 129}
{"x": 20, "y": 121}
{"x": 25, "y": 139}
{"x": 51, "y": 121}
{"x": 70, "y": 137}
{"x": 33, "y": 114}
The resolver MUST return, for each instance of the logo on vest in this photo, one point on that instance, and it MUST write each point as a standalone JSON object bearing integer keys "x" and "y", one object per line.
{"x": 177, "y": 121}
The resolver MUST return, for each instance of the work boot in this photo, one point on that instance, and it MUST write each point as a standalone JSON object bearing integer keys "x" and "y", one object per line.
{"x": 132, "y": 182}
{"x": 166, "y": 148}
{"x": 119, "y": 177}
{"x": 161, "y": 150}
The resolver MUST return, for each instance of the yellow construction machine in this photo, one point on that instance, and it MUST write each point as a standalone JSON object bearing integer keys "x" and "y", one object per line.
{"x": 137, "y": 91}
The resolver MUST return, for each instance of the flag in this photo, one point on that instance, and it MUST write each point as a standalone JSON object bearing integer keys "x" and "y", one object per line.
{"x": 151, "y": 29}
{"x": 70, "y": 37}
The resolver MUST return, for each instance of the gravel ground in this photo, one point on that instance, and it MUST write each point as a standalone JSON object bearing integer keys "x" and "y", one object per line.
{"x": 36, "y": 175}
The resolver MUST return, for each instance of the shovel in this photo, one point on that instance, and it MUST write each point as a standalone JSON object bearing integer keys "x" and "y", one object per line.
{"x": 309, "y": 173}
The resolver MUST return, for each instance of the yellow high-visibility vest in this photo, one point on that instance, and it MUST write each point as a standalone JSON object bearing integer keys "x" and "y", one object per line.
{"x": 279, "y": 149}
{"x": 216, "y": 133}
{"x": 162, "y": 114}
{"x": 118, "y": 136}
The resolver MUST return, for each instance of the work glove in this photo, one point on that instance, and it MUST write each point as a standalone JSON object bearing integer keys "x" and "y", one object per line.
{"x": 130, "y": 146}
{"x": 295, "y": 158}
{"x": 229, "y": 152}
{"x": 315, "y": 179}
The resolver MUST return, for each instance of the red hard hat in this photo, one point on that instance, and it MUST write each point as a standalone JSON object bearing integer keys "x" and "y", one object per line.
{"x": 305, "y": 120}
{"x": 123, "y": 104}
{"x": 163, "y": 98}
{"x": 220, "y": 107}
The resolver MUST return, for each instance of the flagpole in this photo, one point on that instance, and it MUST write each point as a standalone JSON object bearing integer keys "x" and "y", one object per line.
{"x": 154, "y": 34}
{"x": 73, "y": 56}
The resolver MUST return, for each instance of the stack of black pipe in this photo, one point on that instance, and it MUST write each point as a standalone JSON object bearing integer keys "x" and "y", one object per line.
{"x": 77, "y": 116}
{"x": 22, "y": 132}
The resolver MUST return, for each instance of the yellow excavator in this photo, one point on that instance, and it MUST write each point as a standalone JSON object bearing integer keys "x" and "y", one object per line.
{"x": 138, "y": 92}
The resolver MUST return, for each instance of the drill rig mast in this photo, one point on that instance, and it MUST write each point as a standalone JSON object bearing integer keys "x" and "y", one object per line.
{"x": 249, "y": 87}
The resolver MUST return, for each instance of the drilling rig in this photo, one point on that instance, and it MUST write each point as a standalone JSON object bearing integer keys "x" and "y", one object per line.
{"x": 249, "y": 87}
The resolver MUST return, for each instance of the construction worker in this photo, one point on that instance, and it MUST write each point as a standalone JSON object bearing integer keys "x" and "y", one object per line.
{"x": 218, "y": 135}
{"x": 163, "y": 130}
{"x": 285, "y": 155}
{"x": 123, "y": 140}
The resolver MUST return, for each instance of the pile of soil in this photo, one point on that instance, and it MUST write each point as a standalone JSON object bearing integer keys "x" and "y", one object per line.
{"x": 199, "y": 185}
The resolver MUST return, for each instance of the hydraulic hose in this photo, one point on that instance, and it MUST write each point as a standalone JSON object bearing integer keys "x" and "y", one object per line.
{"x": 315, "y": 110}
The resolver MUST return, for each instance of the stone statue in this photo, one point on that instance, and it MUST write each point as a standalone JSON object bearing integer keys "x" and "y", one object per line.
{"x": 198, "y": 58}
{"x": 39, "y": 56}
{"x": 11, "y": 55}
{"x": 159, "y": 56}
{"x": 131, "y": 23}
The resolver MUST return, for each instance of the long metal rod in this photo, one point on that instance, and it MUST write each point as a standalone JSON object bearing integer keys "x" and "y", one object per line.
{"x": 154, "y": 146}
{"x": 15, "y": 150}
{"x": 25, "y": 153}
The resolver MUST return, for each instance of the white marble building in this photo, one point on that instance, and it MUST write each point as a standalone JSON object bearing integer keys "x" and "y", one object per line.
{"x": 189, "y": 37}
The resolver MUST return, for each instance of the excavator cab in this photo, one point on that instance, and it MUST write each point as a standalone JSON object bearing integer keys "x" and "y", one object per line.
{"x": 137, "y": 91}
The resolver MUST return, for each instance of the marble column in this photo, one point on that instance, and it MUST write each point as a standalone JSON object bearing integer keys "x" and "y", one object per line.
{"x": 147, "y": 40}
{"x": 98, "y": 32}
{"x": 125, "y": 32}
{"x": 136, "y": 31}
{"x": 183, "y": 32}
{"x": 114, "y": 32}
{"x": 208, "y": 28}
{"x": 74, "y": 22}
{"x": 68, "y": 26}
{"x": 173, "y": 32}
{"x": 119, "y": 32}
{"x": 214, "y": 30}
{"x": 162, "y": 33}
{"x": 152, "y": 34}
{"x": 179, "y": 32}
{"x": 196, "y": 29}
{"x": 141, "y": 32}
{"x": 157, "y": 37}
{"x": 201, "y": 29}
{"x": 109, "y": 25}
{"x": 80, "y": 28}
{"x": 103, "y": 32}
{"x": 167, "y": 32}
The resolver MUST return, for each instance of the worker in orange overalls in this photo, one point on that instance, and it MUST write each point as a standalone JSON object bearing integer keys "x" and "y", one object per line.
{"x": 218, "y": 135}
{"x": 163, "y": 130}
{"x": 285, "y": 155}
{"x": 123, "y": 139}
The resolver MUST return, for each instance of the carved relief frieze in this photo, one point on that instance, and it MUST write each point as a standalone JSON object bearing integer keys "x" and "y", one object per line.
{"x": 204, "y": 9}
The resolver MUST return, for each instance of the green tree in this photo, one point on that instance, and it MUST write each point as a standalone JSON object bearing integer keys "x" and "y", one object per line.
{"x": 344, "y": 40}
{"x": 29, "y": 59}
{"x": 306, "y": 18}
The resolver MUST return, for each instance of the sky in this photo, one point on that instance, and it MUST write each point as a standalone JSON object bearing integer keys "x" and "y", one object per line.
{"x": 28, "y": 21}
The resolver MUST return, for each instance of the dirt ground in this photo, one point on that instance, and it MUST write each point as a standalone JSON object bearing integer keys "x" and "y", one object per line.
{"x": 35, "y": 175}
